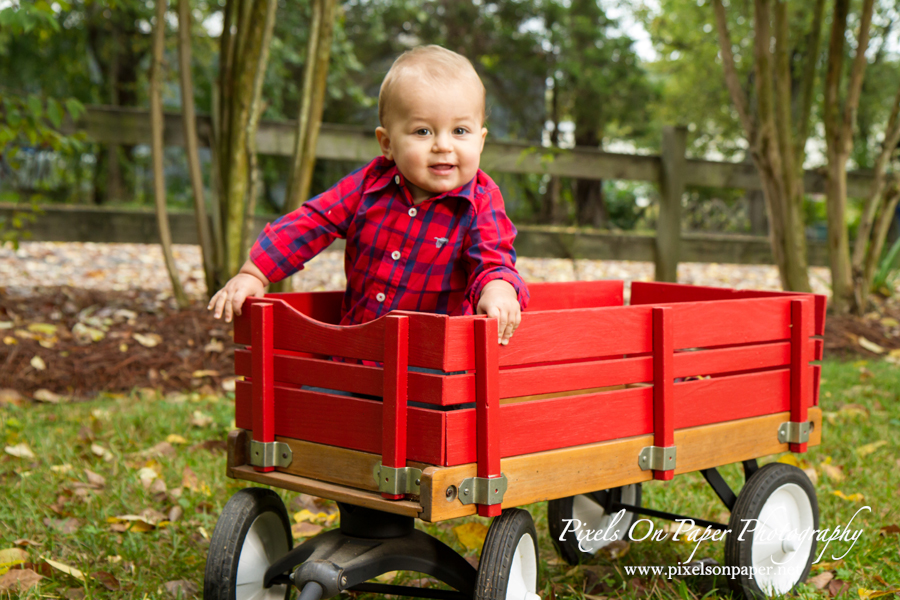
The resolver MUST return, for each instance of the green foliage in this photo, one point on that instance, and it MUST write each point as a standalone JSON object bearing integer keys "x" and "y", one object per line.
{"x": 885, "y": 278}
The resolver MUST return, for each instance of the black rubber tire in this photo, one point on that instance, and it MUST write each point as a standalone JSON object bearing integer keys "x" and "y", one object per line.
{"x": 498, "y": 552}
{"x": 560, "y": 511}
{"x": 753, "y": 496}
{"x": 229, "y": 535}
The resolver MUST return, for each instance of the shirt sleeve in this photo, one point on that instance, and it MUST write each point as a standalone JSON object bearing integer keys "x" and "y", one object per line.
{"x": 489, "y": 254}
{"x": 286, "y": 245}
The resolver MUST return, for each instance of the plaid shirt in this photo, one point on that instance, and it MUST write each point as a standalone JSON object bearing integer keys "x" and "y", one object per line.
{"x": 436, "y": 256}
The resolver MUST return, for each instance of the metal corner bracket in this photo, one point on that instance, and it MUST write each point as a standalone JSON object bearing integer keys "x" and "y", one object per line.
{"x": 270, "y": 454}
{"x": 657, "y": 458}
{"x": 397, "y": 480}
{"x": 483, "y": 490}
{"x": 792, "y": 432}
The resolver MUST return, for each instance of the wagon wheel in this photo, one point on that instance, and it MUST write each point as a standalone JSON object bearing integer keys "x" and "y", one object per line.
{"x": 589, "y": 511}
{"x": 251, "y": 534}
{"x": 775, "y": 501}
{"x": 509, "y": 559}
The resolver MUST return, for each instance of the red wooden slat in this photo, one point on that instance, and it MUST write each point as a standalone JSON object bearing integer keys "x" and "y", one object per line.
{"x": 800, "y": 357}
{"x": 729, "y": 322}
{"x": 556, "y": 423}
{"x": 263, "y": 396}
{"x": 396, "y": 346}
{"x": 321, "y": 306}
{"x": 663, "y": 382}
{"x": 345, "y": 422}
{"x": 575, "y": 294}
{"x": 487, "y": 407}
{"x": 734, "y": 397}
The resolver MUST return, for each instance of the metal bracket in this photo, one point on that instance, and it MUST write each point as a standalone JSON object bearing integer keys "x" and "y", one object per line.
{"x": 397, "y": 480}
{"x": 483, "y": 490}
{"x": 657, "y": 458}
{"x": 792, "y": 432}
{"x": 270, "y": 454}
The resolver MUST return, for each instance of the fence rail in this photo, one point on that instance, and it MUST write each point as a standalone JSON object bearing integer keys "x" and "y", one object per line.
{"x": 671, "y": 170}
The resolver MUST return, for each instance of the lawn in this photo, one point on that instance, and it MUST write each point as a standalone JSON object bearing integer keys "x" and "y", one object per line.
{"x": 118, "y": 497}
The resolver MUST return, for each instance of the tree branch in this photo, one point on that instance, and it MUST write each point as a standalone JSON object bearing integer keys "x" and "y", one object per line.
{"x": 808, "y": 83}
{"x": 856, "y": 76}
{"x": 731, "y": 77}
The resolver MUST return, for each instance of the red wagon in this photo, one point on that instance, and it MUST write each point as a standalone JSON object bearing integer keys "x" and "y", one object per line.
{"x": 425, "y": 416}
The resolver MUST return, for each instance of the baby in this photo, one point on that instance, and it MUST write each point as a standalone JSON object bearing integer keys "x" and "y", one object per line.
{"x": 426, "y": 229}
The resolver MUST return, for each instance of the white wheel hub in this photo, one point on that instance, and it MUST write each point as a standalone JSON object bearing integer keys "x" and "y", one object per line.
{"x": 782, "y": 541}
{"x": 595, "y": 522}
{"x": 265, "y": 543}
{"x": 523, "y": 573}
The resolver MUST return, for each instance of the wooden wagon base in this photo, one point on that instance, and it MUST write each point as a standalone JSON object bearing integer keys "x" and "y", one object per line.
{"x": 346, "y": 475}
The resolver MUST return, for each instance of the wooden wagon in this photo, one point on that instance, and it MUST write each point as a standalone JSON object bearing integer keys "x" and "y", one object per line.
{"x": 425, "y": 416}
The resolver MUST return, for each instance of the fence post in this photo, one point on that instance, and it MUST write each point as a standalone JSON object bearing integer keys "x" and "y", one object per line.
{"x": 671, "y": 189}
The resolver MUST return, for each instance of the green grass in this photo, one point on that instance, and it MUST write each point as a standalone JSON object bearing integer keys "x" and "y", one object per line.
{"x": 38, "y": 495}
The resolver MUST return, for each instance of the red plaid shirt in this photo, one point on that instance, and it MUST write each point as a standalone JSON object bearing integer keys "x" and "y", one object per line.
{"x": 436, "y": 256}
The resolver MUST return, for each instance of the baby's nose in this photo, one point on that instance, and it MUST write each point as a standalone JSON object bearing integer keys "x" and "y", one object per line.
{"x": 442, "y": 143}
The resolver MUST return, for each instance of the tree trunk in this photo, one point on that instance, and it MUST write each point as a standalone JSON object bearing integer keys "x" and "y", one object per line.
{"x": 315, "y": 78}
{"x": 191, "y": 147}
{"x": 156, "y": 125}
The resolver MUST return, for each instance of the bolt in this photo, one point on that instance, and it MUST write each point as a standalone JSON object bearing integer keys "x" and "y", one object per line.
{"x": 418, "y": 482}
{"x": 344, "y": 580}
{"x": 465, "y": 492}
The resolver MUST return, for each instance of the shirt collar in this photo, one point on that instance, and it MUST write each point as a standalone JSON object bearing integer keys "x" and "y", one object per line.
{"x": 392, "y": 176}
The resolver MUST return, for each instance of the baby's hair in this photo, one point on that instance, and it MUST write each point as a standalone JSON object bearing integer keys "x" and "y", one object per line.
{"x": 432, "y": 64}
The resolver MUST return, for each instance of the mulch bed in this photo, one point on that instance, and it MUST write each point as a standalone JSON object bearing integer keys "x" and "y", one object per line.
{"x": 195, "y": 351}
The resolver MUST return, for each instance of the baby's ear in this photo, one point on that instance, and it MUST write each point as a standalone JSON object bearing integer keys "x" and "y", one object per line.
{"x": 384, "y": 141}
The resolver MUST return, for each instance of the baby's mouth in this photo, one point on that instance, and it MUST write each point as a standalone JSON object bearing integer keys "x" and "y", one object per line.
{"x": 442, "y": 168}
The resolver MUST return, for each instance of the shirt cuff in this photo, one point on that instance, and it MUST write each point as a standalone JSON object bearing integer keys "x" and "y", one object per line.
{"x": 502, "y": 273}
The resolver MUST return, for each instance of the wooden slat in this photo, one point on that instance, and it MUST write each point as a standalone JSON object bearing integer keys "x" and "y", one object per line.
{"x": 261, "y": 315}
{"x": 394, "y": 409}
{"x": 344, "y": 421}
{"x": 801, "y": 387}
{"x": 663, "y": 384}
{"x": 582, "y": 469}
{"x": 330, "y": 491}
{"x": 487, "y": 408}
{"x": 324, "y": 307}
{"x": 575, "y": 294}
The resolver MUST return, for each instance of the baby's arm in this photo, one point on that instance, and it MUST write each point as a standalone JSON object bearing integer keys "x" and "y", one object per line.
{"x": 499, "y": 300}
{"x": 249, "y": 281}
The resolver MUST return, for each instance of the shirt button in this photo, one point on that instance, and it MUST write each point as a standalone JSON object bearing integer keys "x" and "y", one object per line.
{"x": 395, "y": 255}
{"x": 412, "y": 212}
{"x": 397, "y": 179}
{"x": 380, "y": 297}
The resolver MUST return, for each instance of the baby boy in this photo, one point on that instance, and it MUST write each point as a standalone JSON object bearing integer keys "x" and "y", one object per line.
{"x": 426, "y": 229}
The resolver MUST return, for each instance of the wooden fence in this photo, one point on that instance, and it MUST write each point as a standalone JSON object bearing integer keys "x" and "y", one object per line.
{"x": 671, "y": 170}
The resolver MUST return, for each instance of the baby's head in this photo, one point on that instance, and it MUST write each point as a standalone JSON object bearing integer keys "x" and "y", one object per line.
{"x": 431, "y": 108}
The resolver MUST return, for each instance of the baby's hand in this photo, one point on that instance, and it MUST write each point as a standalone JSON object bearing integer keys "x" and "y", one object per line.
{"x": 249, "y": 282}
{"x": 498, "y": 300}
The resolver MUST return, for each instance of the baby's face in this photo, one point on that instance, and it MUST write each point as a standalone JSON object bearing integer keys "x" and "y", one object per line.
{"x": 434, "y": 134}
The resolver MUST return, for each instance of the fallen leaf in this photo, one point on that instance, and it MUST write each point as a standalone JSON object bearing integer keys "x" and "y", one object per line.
{"x": 147, "y": 475}
{"x": 132, "y": 523}
{"x": 820, "y": 580}
{"x": 75, "y": 593}
{"x": 868, "y": 449}
{"x": 890, "y": 322}
{"x": 174, "y": 438}
{"x": 789, "y": 459}
{"x": 205, "y": 373}
{"x": 38, "y": 363}
{"x": 836, "y": 587}
{"x": 189, "y": 479}
{"x": 11, "y": 397}
{"x": 64, "y": 526}
{"x": 828, "y": 565}
{"x": 161, "y": 449}
{"x": 813, "y": 476}
{"x": 102, "y": 452}
{"x": 47, "y": 396}
{"x": 471, "y": 535}
{"x": 95, "y": 478}
{"x": 181, "y": 588}
{"x": 20, "y": 450}
{"x": 107, "y": 580}
{"x": 834, "y": 472}
{"x": 890, "y": 529}
{"x": 870, "y": 346}
{"x": 214, "y": 345}
{"x": 175, "y": 513}
{"x": 158, "y": 486}
{"x": 19, "y": 580}
{"x": 616, "y": 549}
{"x": 12, "y": 557}
{"x": 64, "y": 568}
{"x": 10, "y": 340}
{"x": 865, "y": 594}
{"x": 305, "y": 529}
{"x": 149, "y": 340}
{"x": 86, "y": 334}
{"x": 26, "y": 542}
{"x": 200, "y": 419}
{"x": 851, "y": 498}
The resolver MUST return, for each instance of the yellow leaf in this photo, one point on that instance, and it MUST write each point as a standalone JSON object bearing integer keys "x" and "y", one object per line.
{"x": 306, "y": 515}
{"x": 865, "y": 594}
{"x": 123, "y": 347}
{"x": 11, "y": 557}
{"x": 870, "y": 448}
{"x": 789, "y": 459}
{"x": 149, "y": 340}
{"x": 890, "y": 322}
{"x": 44, "y": 328}
{"x": 38, "y": 363}
{"x": 174, "y": 438}
{"x": 870, "y": 346}
{"x": 85, "y": 333}
{"x": 204, "y": 373}
{"x": 471, "y": 535}
{"x": 851, "y": 498}
{"x": 832, "y": 471}
{"x": 10, "y": 340}
{"x": 65, "y": 569}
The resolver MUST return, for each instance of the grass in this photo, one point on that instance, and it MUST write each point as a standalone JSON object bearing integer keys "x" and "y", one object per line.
{"x": 69, "y": 517}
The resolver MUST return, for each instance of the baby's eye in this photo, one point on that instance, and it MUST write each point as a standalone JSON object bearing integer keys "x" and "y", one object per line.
{"x": 423, "y": 131}
{"x": 460, "y": 131}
